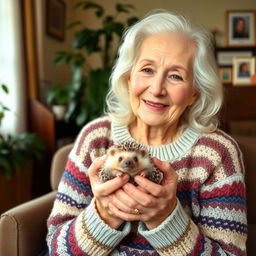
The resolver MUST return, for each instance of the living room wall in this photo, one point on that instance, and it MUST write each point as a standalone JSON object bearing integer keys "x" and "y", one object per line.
{"x": 209, "y": 14}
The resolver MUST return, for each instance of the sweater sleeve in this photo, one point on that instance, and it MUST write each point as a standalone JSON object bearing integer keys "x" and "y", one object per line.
{"x": 74, "y": 226}
{"x": 217, "y": 232}
{"x": 218, "y": 224}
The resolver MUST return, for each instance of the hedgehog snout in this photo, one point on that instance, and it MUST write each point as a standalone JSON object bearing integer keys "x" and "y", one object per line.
{"x": 128, "y": 163}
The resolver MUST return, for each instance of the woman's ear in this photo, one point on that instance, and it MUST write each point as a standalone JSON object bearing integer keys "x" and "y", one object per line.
{"x": 128, "y": 79}
{"x": 194, "y": 97}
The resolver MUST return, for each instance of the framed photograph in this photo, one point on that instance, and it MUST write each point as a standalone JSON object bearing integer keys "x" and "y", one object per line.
{"x": 243, "y": 69}
{"x": 225, "y": 58}
{"x": 55, "y": 20}
{"x": 225, "y": 74}
{"x": 240, "y": 27}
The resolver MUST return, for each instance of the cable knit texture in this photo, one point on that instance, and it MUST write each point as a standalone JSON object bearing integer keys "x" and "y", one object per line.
{"x": 210, "y": 216}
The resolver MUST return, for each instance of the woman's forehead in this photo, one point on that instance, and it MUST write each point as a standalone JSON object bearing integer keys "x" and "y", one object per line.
{"x": 172, "y": 46}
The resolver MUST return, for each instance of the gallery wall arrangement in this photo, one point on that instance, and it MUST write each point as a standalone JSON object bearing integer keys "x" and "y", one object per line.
{"x": 236, "y": 60}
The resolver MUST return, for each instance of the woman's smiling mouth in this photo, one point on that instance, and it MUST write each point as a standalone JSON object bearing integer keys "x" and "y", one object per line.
{"x": 155, "y": 105}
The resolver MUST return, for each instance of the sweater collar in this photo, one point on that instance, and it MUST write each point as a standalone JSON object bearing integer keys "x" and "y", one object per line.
{"x": 168, "y": 152}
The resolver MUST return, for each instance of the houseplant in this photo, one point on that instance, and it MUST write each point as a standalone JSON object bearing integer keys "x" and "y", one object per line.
{"x": 57, "y": 97}
{"x": 16, "y": 150}
{"x": 3, "y": 108}
{"x": 88, "y": 86}
{"x": 16, "y": 155}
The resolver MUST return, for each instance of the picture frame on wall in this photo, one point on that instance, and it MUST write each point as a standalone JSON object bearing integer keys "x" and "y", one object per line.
{"x": 225, "y": 56}
{"x": 240, "y": 26}
{"x": 225, "y": 74}
{"x": 243, "y": 69}
{"x": 55, "y": 20}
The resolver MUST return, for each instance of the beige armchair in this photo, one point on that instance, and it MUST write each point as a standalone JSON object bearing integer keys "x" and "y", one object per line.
{"x": 23, "y": 228}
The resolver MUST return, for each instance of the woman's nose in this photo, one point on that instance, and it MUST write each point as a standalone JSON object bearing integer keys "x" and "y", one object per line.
{"x": 157, "y": 86}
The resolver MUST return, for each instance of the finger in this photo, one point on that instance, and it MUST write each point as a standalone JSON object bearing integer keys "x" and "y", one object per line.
{"x": 139, "y": 196}
{"x": 142, "y": 189}
{"x": 122, "y": 205}
{"x": 111, "y": 186}
{"x": 123, "y": 215}
{"x": 149, "y": 186}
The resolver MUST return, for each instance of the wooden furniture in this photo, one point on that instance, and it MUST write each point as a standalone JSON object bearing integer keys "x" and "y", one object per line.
{"x": 239, "y": 106}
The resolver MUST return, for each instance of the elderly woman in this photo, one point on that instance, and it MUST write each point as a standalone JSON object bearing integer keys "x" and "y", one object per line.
{"x": 165, "y": 94}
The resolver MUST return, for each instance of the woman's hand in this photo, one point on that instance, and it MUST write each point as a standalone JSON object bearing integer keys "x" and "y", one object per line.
{"x": 149, "y": 202}
{"x": 102, "y": 192}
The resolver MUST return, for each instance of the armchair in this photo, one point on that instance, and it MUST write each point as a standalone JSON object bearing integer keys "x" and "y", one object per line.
{"x": 23, "y": 228}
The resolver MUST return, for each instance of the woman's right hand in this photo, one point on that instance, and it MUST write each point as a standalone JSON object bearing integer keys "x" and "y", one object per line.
{"x": 102, "y": 192}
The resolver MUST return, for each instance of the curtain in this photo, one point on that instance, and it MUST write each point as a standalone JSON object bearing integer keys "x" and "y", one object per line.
{"x": 12, "y": 67}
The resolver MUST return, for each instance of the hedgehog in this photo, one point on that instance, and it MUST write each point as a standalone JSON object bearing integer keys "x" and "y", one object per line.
{"x": 131, "y": 158}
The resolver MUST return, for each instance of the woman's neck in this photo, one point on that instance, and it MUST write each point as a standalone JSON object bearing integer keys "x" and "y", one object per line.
{"x": 153, "y": 136}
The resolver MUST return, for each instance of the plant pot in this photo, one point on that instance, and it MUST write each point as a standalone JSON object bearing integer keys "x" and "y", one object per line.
{"x": 59, "y": 111}
{"x": 16, "y": 190}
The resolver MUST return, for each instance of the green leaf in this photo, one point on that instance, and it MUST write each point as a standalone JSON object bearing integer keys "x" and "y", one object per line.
{"x": 91, "y": 5}
{"x": 57, "y": 94}
{"x": 70, "y": 110}
{"x": 73, "y": 24}
{"x": 88, "y": 39}
{"x": 4, "y": 163}
{"x": 63, "y": 56}
{"x": 77, "y": 73}
{"x": 132, "y": 20}
{"x": 82, "y": 117}
{"x": 5, "y": 88}
{"x": 6, "y": 108}
{"x": 118, "y": 28}
{"x": 124, "y": 7}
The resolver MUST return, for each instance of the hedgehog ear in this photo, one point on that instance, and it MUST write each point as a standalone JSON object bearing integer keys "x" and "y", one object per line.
{"x": 112, "y": 151}
{"x": 143, "y": 152}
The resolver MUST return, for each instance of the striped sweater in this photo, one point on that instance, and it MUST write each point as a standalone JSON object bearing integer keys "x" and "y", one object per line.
{"x": 210, "y": 216}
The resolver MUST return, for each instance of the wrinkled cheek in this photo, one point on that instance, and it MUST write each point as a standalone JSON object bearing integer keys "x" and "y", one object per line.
{"x": 180, "y": 97}
{"x": 136, "y": 88}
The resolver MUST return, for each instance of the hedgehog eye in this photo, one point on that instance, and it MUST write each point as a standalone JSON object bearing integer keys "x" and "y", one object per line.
{"x": 120, "y": 159}
{"x": 135, "y": 159}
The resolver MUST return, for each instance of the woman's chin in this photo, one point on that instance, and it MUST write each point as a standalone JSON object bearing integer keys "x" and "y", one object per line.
{"x": 153, "y": 121}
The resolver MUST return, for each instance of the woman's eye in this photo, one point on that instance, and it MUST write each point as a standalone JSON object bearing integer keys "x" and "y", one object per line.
{"x": 147, "y": 70}
{"x": 176, "y": 77}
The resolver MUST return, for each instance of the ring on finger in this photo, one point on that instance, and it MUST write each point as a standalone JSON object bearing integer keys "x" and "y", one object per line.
{"x": 136, "y": 211}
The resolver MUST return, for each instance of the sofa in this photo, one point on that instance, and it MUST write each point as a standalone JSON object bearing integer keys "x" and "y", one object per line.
{"x": 23, "y": 228}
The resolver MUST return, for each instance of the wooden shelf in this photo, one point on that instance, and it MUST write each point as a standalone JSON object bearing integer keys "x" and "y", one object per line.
{"x": 239, "y": 104}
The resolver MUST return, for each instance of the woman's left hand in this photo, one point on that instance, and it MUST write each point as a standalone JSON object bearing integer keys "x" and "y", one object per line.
{"x": 149, "y": 202}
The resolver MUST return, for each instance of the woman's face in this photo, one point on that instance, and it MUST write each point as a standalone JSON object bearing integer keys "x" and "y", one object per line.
{"x": 161, "y": 81}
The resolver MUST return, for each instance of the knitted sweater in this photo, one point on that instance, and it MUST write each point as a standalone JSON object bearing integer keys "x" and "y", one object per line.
{"x": 210, "y": 216}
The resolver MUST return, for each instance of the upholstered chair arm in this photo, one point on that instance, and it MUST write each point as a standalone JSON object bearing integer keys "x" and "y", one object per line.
{"x": 23, "y": 228}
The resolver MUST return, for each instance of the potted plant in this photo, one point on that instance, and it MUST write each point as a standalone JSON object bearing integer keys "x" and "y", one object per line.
{"x": 88, "y": 86}
{"x": 58, "y": 97}
{"x": 16, "y": 155}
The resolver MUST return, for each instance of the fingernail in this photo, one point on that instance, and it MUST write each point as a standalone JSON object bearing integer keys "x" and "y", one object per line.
{"x": 125, "y": 177}
{"x": 126, "y": 187}
{"x": 138, "y": 178}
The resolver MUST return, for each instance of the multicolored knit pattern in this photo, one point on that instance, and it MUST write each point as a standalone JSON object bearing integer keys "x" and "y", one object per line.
{"x": 209, "y": 219}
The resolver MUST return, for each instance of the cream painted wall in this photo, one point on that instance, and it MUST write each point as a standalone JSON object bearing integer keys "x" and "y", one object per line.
{"x": 47, "y": 47}
{"x": 208, "y": 13}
